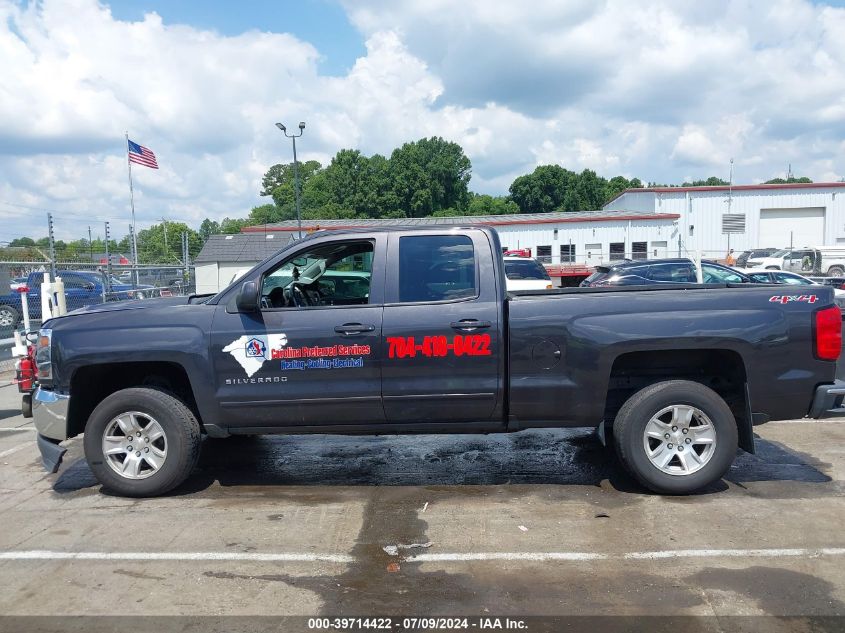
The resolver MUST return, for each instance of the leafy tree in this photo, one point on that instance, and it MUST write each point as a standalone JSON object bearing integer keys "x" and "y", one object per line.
{"x": 429, "y": 175}
{"x": 713, "y": 181}
{"x": 22, "y": 241}
{"x": 482, "y": 204}
{"x": 787, "y": 181}
{"x": 162, "y": 243}
{"x": 233, "y": 225}
{"x": 617, "y": 185}
{"x": 208, "y": 228}
{"x": 542, "y": 190}
{"x": 265, "y": 214}
{"x": 282, "y": 175}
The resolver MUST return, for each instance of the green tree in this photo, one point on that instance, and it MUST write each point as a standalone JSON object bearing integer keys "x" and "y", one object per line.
{"x": 208, "y": 227}
{"x": 265, "y": 214}
{"x": 429, "y": 175}
{"x": 482, "y": 204}
{"x": 282, "y": 175}
{"x": 233, "y": 225}
{"x": 162, "y": 243}
{"x": 542, "y": 190}
{"x": 713, "y": 181}
{"x": 617, "y": 185}
{"x": 22, "y": 241}
{"x": 787, "y": 181}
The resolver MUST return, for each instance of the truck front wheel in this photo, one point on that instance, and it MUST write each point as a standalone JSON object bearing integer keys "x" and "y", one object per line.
{"x": 675, "y": 437}
{"x": 141, "y": 442}
{"x": 9, "y": 317}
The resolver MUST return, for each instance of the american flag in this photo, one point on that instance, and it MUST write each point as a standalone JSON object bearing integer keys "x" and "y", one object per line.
{"x": 141, "y": 155}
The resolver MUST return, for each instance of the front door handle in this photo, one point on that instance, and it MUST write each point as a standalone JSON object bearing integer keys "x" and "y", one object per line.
{"x": 354, "y": 328}
{"x": 468, "y": 325}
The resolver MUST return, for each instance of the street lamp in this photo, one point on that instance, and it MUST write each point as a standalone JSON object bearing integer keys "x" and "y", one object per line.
{"x": 293, "y": 137}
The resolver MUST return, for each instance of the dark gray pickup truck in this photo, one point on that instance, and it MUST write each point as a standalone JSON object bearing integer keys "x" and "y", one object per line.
{"x": 412, "y": 331}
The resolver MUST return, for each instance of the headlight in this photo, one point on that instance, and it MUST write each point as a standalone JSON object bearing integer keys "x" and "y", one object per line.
{"x": 44, "y": 356}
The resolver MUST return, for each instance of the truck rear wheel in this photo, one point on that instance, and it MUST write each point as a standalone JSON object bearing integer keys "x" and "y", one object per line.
{"x": 835, "y": 271}
{"x": 675, "y": 437}
{"x": 141, "y": 442}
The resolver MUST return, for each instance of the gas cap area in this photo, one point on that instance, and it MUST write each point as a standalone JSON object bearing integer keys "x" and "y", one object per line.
{"x": 546, "y": 354}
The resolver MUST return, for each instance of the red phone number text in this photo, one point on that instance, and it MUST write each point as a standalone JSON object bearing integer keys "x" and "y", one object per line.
{"x": 439, "y": 346}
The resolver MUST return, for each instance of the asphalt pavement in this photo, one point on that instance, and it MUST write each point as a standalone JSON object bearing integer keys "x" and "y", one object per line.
{"x": 527, "y": 524}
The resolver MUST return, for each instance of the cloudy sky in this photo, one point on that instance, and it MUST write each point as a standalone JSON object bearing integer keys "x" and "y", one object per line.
{"x": 664, "y": 90}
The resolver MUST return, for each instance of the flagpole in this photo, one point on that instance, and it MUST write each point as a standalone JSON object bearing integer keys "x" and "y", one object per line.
{"x": 132, "y": 206}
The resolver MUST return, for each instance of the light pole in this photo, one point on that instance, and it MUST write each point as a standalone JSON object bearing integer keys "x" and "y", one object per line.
{"x": 293, "y": 137}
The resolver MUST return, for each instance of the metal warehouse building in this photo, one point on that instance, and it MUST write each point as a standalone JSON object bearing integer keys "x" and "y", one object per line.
{"x": 746, "y": 216}
{"x": 643, "y": 223}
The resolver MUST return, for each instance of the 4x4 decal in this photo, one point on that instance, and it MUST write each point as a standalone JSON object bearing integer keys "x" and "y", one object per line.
{"x": 784, "y": 299}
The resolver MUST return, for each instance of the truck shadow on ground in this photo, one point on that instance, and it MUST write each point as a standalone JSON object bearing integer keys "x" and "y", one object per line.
{"x": 560, "y": 457}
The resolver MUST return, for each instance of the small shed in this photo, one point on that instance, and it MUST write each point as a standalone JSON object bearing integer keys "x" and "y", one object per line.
{"x": 224, "y": 255}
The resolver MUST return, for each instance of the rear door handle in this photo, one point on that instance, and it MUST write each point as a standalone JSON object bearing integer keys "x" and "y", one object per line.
{"x": 468, "y": 325}
{"x": 354, "y": 328}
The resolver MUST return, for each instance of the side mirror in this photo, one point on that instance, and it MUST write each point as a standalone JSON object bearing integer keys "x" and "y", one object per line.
{"x": 247, "y": 300}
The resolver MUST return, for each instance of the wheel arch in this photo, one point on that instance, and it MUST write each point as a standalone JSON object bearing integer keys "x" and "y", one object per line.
{"x": 91, "y": 384}
{"x": 722, "y": 370}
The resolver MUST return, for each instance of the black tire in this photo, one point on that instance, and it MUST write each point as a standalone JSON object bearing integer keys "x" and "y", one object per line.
{"x": 772, "y": 268}
{"x": 9, "y": 318}
{"x": 26, "y": 405}
{"x": 630, "y": 425}
{"x": 835, "y": 271}
{"x": 181, "y": 430}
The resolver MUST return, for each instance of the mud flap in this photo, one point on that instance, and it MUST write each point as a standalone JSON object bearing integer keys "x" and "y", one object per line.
{"x": 51, "y": 453}
{"x": 745, "y": 426}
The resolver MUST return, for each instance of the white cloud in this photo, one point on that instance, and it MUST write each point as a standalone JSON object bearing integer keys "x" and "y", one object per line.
{"x": 657, "y": 89}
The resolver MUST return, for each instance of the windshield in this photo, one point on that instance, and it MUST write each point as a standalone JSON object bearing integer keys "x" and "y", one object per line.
{"x": 782, "y": 253}
{"x": 525, "y": 269}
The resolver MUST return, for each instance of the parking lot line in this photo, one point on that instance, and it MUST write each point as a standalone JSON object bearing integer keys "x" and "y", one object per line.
{"x": 15, "y": 449}
{"x": 288, "y": 557}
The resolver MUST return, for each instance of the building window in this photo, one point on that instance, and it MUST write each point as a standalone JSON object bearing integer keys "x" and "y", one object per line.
{"x": 567, "y": 253}
{"x": 617, "y": 251}
{"x": 639, "y": 250}
{"x": 544, "y": 254}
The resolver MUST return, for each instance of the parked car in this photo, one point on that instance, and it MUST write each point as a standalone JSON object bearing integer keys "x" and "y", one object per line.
{"x": 429, "y": 340}
{"x": 835, "y": 282}
{"x": 792, "y": 279}
{"x": 82, "y": 288}
{"x": 829, "y": 260}
{"x": 158, "y": 277}
{"x": 755, "y": 253}
{"x": 661, "y": 271}
{"x": 526, "y": 273}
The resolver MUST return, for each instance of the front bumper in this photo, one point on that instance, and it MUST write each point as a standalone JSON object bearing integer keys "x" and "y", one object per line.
{"x": 828, "y": 401}
{"x": 49, "y": 414}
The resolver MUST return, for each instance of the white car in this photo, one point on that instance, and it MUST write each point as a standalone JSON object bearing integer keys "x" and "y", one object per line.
{"x": 764, "y": 275}
{"x": 525, "y": 273}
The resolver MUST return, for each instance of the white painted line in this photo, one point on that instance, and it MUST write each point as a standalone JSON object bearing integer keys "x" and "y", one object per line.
{"x": 178, "y": 556}
{"x": 15, "y": 449}
{"x": 590, "y": 556}
{"x": 805, "y": 552}
{"x": 17, "y": 430}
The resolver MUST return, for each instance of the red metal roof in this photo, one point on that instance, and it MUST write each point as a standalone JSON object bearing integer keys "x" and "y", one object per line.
{"x": 791, "y": 185}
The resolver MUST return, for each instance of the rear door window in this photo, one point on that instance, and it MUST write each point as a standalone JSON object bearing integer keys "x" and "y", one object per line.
{"x": 679, "y": 273}
{"x": 525, "y": 269}
{"x": 437, "y": 268}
